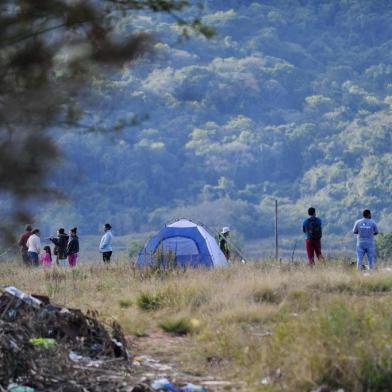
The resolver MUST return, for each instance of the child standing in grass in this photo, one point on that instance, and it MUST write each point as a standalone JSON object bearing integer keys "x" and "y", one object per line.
{"x": 46, "y": 258}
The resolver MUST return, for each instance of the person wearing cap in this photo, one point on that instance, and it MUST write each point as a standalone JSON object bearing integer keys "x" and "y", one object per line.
{"x": 223, "y": 242}
{"x": 105, "y": 247}
{"x": 365, "y": 229}
{"x": 23, "y": 244}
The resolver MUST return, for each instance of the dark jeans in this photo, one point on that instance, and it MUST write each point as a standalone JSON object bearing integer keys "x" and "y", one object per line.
{"x": 33, "y": 257}
{"x": 106, "y": 256}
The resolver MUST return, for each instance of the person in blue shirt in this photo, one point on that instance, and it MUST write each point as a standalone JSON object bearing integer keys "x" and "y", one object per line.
{"x": 105, "y": 247}
{"x": 365, "y": 229}
{"x": 312, "y": 227}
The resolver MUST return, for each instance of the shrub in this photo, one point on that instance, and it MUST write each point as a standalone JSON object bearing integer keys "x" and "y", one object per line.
{"x": 125, "y": 303}
{"x": 149, "y": 301}
{"x": 180, "y": 326}
{"x": 266, "y": 294}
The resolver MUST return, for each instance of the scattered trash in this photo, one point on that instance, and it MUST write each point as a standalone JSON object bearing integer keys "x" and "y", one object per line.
{"x": 19, "y": 388}
{"x": 274, "y": 376}
{"x": 28, "y": 299}
{"x": 45, "y": 347}
{"x": 192, "y": 388}
{"x": 266, "y": 380}
{"x": 75, "y": 357}
{"x": 30, "y": 325}
{"x": 43, "y": 342}
{"x": 163, "y": 384}
{"x": 84, "y": 332}
{"x": 145, "y": 360}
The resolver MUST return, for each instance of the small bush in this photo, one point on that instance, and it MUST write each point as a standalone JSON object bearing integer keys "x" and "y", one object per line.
{"x": 266, "y": 295}
{"x": 125, "y": 303}
{"x": 148, "y": 301}
{"x": 300, "y": 300}
{"x": 181, "y": 326}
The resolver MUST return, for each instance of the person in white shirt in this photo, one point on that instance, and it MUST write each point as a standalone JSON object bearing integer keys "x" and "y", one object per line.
{"x": 105, "y": 247}
{"x": 34, "y": 247}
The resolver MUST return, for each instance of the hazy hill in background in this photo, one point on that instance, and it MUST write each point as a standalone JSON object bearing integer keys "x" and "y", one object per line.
{"x": 291, "y": 100}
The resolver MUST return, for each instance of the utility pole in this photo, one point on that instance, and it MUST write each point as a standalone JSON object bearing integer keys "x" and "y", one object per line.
{"x": 276, "y": 231}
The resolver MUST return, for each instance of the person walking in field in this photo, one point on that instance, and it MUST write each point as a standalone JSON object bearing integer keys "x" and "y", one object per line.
{"x": 60, "y": 246}
{"x": 365, "y": 229}
{"x": 105, "y": 246}
{"x": 223, "y": 242}
{"x": 23, "y": 244}
{"x": 312, "y": 227}
{"x": 73, "y": 247}
{"x": 33, "y": 248}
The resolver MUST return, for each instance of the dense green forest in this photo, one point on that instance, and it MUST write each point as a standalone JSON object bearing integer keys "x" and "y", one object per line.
{"x": 291, "y": 100}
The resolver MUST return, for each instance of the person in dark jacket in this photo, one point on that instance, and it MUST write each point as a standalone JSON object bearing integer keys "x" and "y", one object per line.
{"x": 73, "y": 247}
{"x": 223, "y": 242}
{"x": 60, "y": 246}
{"x": 23, "y": 244}
{"x": 312, "y": 228}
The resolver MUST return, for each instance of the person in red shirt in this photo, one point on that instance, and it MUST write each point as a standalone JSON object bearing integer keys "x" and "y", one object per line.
{"x": 23, "y": 244}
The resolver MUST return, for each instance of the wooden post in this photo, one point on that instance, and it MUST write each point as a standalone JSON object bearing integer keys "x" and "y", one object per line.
{"x": 276, "y": 231}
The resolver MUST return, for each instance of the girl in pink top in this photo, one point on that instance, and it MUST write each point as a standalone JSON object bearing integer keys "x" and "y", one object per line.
{"x": 46, "y": 258}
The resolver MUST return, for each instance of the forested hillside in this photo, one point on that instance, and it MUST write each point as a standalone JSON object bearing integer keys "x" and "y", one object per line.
{"x": 290, "y": 100}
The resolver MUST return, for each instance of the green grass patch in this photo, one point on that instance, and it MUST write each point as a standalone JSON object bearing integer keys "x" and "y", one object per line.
{"x": 149, "y": 301}
{"x": 266, "y": 295}
{"x": 125, "y": 303}
{"x": 177, "y": 326}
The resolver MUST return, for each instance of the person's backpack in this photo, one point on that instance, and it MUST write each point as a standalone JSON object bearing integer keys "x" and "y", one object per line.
{"x": 314, "y": 229}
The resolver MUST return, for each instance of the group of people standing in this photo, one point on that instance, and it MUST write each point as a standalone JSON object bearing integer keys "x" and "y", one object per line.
{"x": 365, "y": 229}
{"x": 66, "y": 248}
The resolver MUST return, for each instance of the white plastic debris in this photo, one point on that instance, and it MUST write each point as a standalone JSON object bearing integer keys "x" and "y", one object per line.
{"x": 36, "y": 303}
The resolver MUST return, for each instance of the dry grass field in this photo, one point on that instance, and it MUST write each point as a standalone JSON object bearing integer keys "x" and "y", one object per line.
{"x": 274, "y": 327}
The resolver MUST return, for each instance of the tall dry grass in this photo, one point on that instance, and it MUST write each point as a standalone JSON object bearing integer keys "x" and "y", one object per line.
{"x": 276, "y": 327}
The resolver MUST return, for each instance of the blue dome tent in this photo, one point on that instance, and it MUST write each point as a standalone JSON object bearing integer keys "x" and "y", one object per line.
{"x": 182, "y": 243}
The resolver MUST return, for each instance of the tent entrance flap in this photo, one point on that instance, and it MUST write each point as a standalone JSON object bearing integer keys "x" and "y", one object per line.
{"x": 180, "y": 246}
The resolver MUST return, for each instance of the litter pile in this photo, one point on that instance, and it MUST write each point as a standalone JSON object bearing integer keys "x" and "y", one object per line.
{"x": 52, "y": 348}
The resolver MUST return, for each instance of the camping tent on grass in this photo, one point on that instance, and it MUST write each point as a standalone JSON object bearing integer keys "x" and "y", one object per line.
{"x": 182, "y": 243}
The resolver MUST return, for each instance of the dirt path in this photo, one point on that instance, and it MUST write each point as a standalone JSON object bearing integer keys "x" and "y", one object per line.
{"x": 160, "y": 355}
